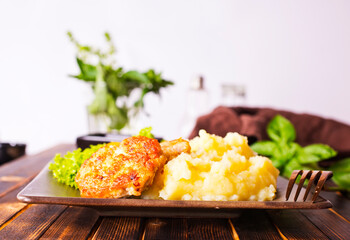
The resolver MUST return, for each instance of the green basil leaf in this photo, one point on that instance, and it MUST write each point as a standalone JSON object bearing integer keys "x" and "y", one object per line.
{"x": 291, "y": 166}
{"x": 284, "y": 153}
{"x": 116, "y": 84}
{"x": 342, "y": 180}
{"x": 289, "y": 150}
{"x": 136, "y": 76}
{"x": 281, "y": 129}
{"x": 315, "y": 153}
{"x": 88, "y": 71}
{"x": 279, "y": 162}
{"x": 341, "y": 173}
{"x": 265, "y": 148}
{"x": 156, "y": 81}
{"x": 304, "y": 158}
{"x": 341, "y": 166}
{"x": 321, "y": 150}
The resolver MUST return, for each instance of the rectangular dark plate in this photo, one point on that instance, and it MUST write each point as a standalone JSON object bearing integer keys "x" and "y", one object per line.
{"x": 45, "y": 189}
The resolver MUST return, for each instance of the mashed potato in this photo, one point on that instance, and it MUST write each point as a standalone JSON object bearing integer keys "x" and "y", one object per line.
{"x": 217, "y": 169}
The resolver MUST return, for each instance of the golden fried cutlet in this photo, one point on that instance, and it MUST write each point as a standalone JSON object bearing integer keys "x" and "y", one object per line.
{"x": 172, "y": 149}
{"x": 120, "y": 169}
{"x": 127, "y": 168}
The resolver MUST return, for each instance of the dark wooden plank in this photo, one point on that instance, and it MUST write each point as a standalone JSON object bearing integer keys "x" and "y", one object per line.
{"x": 294, "y": 225}
{"x": 32, "y": 223}
{"x": 254, "y": 224}
{"x": 192, "y": 228}
{"x": 329, "y": 222}
{"x": 10, "y": 205}
{"x": 120, "y": 228}
{"x": 209, "y": 229}
{"x": 20, "y": 171}
{"x": 341, "y": 204}
{"x": 166, "y": 228}
{"x": 74, "y": 223}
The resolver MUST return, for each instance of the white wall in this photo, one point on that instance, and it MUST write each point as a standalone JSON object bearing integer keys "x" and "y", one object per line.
{"x": 292, "y": 55}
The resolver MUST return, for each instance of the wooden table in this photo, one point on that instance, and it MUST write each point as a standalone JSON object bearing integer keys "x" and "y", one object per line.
{"x": 38, "y": 221}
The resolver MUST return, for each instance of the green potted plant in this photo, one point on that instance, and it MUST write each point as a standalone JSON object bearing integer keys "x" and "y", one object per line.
{"x": 113, "y": 86}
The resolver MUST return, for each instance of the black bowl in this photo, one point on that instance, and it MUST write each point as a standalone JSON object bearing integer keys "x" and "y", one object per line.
{"x": 10, "y": 151}
{"x": 97, "y": 138}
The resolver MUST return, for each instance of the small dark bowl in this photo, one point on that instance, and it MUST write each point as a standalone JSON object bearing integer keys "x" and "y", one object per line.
{"x": 97, "y": 138}
{"x": 10, "y": 151}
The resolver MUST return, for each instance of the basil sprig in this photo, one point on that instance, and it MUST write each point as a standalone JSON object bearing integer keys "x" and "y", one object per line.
{"x": 287, "y": 155}
{"x": 118, "y": 94}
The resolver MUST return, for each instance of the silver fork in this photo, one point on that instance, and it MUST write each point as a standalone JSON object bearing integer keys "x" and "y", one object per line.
{"x": 312, "y": 175}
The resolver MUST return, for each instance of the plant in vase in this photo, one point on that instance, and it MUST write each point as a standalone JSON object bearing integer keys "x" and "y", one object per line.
{"x": 118, "y": 94}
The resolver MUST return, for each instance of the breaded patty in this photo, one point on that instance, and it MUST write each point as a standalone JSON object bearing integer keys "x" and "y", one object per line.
{"x": 121, "y": 169}
{"x": 172, "y": 149}
{"x": 127, "y": 168}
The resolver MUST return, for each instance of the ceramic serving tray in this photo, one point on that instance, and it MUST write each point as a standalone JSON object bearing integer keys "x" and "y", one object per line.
{"x": 44, "y": 189}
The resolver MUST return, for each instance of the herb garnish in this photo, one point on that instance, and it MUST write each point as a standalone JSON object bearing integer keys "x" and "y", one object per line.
{"x": 288, "y": 155}
{"x": 112, "y": 85}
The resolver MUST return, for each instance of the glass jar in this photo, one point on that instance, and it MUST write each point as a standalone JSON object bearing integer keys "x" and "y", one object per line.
{"x": 197, "y": 102}
{"x": 233, "y": 95}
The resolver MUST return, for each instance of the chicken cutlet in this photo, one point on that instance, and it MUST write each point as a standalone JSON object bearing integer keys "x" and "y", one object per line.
{"x": 127, "y": 168}
{"x": 171, "y": 149}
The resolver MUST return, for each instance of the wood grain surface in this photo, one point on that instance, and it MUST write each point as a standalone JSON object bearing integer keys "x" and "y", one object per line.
{"x": 255, "y": 224}
{"x": 74, "y": 223}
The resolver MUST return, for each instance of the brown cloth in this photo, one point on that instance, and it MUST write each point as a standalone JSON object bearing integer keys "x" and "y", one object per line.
{"x": 252, "y": 122}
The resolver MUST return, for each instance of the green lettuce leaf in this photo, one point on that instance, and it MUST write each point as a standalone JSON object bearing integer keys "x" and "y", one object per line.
{"x": 146, "y": 132}
{"x": 66, "y": 167}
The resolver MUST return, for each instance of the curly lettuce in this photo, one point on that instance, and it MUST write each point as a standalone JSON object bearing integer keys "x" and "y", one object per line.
{"x": 65, "y": 168}
{"x": 146, "y": 132}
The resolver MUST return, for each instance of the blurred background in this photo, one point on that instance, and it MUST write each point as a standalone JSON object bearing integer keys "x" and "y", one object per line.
{"x": 291, "y": 55}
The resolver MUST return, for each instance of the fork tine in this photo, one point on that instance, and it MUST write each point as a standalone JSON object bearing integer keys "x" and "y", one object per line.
{"x": 291, "y": 182}
{"x": 323, "y": 178}
{"x": 306, "y": 174}
{"x": 314, "y": 175}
